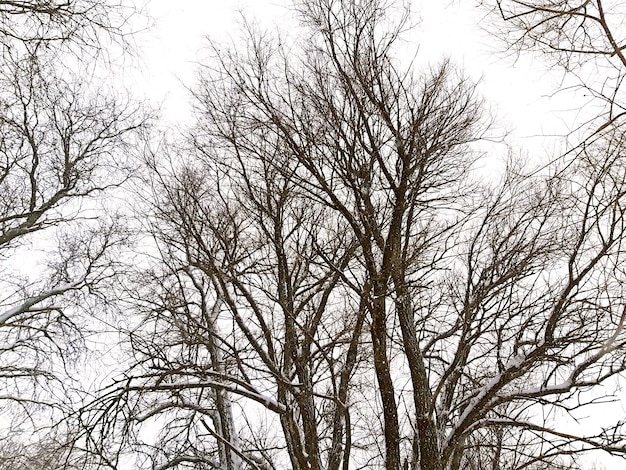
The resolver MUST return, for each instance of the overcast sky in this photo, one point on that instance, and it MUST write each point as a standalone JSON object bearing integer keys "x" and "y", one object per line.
{"x": 516, "y": 91}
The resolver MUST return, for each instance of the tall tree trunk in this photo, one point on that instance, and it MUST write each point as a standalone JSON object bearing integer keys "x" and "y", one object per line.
{"x": 378, "y": 332}
{"x": 430, "y": 457}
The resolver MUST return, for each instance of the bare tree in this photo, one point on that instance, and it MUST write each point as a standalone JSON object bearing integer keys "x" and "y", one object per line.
{"x": 61, "y": 149}
{"x": 49, "y": 453}
{"x": 585, "y": 38}
{"x": 331, "y": 268}
{"x": 63, "y": 145}
{"x": 86, "y": 24}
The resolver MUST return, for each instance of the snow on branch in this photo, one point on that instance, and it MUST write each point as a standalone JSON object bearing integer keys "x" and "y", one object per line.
{"x": 31, "y": 302}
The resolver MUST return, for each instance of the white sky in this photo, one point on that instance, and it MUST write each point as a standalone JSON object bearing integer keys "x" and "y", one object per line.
{"x": 519, "y": 92}
{"x": 516, "y": 91}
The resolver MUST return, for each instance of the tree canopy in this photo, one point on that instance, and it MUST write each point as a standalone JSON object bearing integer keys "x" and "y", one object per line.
{"x": 327, "y": 279}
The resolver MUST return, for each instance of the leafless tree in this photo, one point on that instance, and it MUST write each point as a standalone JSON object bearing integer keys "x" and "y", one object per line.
{"x": 63, "y": 145}
{"x": 86, "y": 24}
{"x": 330, "y": 267}
{"x": 61, "y": 149}
{"x": 49, "y": 453}
{"x": 585, "y": 38}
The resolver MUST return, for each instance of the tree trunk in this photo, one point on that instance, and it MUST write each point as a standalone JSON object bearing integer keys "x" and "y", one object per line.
{"x": 385, "y": 383}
